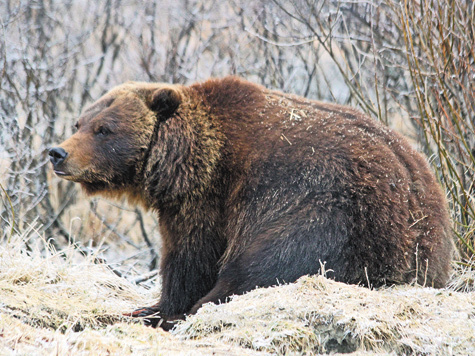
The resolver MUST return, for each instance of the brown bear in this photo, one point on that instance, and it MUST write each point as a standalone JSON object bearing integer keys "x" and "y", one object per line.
{"x": 254, "y": 187}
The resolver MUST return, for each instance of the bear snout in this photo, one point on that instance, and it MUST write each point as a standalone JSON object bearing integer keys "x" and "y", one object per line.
{"x": 57, "y": 155}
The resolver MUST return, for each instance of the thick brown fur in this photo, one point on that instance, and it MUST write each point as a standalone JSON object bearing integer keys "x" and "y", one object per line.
{"x": 254, "y": 187}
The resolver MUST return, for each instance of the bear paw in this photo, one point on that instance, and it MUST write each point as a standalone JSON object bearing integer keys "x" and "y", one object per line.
{"x": 151, "y": 317}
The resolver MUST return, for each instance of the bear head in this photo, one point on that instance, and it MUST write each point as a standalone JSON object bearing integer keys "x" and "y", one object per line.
{"x": 114, "y": 137}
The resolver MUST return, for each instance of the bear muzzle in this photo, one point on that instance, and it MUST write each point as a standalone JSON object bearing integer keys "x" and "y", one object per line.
{"x": 57, "y": 155}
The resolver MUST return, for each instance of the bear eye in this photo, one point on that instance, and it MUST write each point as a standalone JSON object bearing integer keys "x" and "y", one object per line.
{"x": 76, "y": 126}
{"x": 103, "y": 131}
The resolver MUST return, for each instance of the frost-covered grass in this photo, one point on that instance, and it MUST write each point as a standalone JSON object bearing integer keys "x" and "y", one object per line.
{"x": 319, "y": 315}
{"x": 54, "y": 303}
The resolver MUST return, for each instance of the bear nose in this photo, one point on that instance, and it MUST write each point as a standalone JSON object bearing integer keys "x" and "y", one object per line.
{"x": 57, "y": 155}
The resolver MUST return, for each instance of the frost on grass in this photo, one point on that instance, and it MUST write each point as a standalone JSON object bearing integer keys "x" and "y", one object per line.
{"x": 46, "y": 288}
{"x": 53, "y": 303}
{"x": 317, "y": 315}
{"x": 463, "y": 278}
{"x": 56, "y": 303}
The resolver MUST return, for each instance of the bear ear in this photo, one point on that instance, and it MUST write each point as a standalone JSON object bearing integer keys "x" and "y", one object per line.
{"x": 165, "y": 101}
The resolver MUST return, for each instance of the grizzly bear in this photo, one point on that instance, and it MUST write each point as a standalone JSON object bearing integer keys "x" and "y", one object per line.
{"x": 255, "y": 187}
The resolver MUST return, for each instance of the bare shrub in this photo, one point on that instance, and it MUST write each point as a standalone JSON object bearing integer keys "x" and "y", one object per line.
{"x": 56, "y": 56}
{"x": 409, "y": 64}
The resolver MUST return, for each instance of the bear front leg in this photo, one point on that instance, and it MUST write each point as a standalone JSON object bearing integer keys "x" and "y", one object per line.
{"x": 188, "y": 274}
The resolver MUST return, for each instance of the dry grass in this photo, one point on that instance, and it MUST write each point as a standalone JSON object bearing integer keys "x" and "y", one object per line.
{"x": 463, "y": 279}
{"x": 52, "y": 303}
{"x": 319, "y": 315}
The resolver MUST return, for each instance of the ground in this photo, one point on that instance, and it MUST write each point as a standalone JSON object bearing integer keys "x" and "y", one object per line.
{"x": 61, "y": 304}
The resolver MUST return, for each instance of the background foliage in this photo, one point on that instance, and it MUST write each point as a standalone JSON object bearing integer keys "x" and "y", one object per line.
{"x": 410, "y": 64}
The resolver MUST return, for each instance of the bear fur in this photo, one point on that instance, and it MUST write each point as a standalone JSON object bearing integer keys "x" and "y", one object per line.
{"x": 255, "y": 187}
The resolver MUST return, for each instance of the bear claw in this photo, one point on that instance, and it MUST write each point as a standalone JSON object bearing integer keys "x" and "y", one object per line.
{"x": 150, "y": 317}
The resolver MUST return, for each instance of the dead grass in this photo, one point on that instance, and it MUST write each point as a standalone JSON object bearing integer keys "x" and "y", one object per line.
{"x": 52, "y": 303}
{"x": 463, "y": 278}
{"x": 319, "y": 315}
